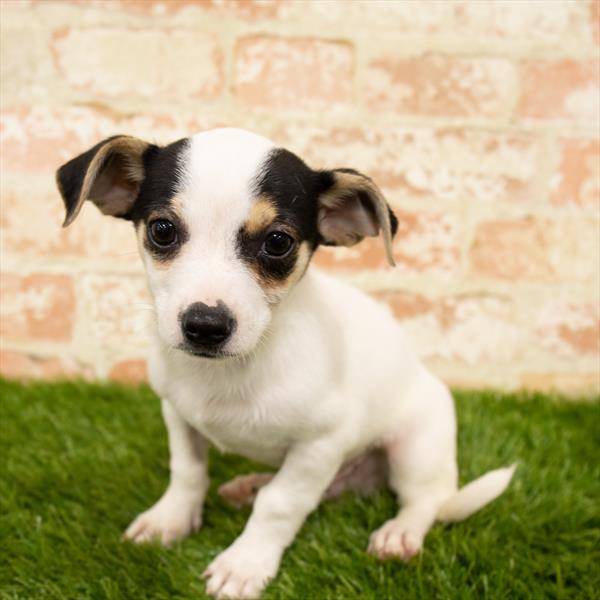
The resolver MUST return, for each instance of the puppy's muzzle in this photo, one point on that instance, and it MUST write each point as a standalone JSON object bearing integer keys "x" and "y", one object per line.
{"x": 206, "y": 329}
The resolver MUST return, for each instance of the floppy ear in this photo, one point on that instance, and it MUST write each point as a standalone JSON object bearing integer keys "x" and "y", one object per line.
{"x": 353, "y": 207}
{"x": 109, "y": 174}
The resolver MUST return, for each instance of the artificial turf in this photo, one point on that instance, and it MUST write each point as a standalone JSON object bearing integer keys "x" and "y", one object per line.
{"x": 79, "y": 461}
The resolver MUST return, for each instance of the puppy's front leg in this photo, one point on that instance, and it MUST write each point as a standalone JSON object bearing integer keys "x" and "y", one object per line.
{"x": 243, "y": 570}
{"x": 179, "y": 510}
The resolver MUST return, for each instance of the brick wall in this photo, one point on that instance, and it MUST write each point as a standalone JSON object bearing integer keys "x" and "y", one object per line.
{"x": 480, "y": 120}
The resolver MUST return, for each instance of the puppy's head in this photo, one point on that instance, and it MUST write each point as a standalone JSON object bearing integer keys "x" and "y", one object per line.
{"x": 226, "y": 224}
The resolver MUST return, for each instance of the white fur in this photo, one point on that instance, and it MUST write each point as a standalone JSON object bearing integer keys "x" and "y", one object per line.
{"x": 216, "y": 196}
{"x": 321, "y": 377}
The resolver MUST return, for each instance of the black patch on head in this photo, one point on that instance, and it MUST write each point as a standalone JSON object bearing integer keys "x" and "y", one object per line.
{"x": 162, "y": 170}
{"x": 293, "y": 189}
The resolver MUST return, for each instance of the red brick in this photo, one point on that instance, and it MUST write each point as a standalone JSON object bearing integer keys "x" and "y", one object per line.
{"x": 93, "y": 236}
{"x": 536, "y": 250}
{"x": 18, "y": 5}
{"x": 20, "y": 365}
{"x": 570, "y": 327}
{"x": 449, "y": 164}
{"x": 563, "y": 382}
{"x": 450, "y": 328}
{"x": 37, "y": 307}
{"x": 577, "y": 181}
{"x": 524, "y": 23}
{"x": 511, "y": 250}
{"x": 407, "y": 306}
{"x": 595, "y": 20}
{"x": 129, "y": 371}
{"x": 39, "y": 139}
{"x": 244, "y": 9}
{"x": 426, "y": 242}
{"x": 119, "y": 62}
{"x": 293, "y": 73}
{"x": 441, "y": 86}
{"x": 565, "y": 89}
{"x": 117, "y": 313}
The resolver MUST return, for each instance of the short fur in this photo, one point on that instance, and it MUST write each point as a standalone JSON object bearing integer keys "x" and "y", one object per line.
{"x": 315, "y": 379}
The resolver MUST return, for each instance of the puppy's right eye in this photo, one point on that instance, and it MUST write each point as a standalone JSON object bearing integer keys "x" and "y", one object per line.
{"x": 162, "y": 233}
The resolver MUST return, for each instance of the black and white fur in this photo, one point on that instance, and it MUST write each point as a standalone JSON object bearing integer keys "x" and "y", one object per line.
{"x": 260, "y": 355}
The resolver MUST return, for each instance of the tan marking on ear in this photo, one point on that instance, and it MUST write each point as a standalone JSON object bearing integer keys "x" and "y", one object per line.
{"x": 351, "y": 182}
{"x": 262, "y": 214}
{"x": 129, "y": 148}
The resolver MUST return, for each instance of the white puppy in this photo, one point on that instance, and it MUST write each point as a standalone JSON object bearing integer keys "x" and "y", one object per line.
{"x": 258, "y": 355}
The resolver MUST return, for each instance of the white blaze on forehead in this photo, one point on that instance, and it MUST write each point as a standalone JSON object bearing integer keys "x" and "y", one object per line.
{"x": 220, "y": 169}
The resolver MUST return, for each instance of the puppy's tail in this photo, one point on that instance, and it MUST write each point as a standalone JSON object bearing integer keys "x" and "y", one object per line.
{"x": 475, "y": 495}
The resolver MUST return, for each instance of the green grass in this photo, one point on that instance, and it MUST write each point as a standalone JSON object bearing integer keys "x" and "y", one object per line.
{"x": 79, "y": 461}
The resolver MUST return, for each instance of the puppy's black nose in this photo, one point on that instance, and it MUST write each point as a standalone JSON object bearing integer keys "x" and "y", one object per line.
{"x": 207, "y": 326}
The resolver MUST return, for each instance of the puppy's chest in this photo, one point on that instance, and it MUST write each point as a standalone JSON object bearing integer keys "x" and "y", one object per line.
{"x": 249, "y": 426}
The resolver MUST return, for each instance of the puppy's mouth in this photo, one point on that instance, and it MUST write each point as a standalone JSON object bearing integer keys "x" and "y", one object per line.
{"x": 213, "y": 353}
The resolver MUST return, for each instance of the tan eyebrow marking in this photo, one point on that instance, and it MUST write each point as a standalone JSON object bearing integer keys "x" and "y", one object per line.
{"x": 262, "y": 214}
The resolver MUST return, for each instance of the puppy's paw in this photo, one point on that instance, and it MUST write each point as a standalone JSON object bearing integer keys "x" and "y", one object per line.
{"x": 173, "y": 517}
{"x": 395, "y": 539}
{"x": 242, "y": 490}
{"x": 241, "y": 571}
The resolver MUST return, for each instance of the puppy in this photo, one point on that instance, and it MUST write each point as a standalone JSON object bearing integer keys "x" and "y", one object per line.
{"x": 257, "y": 354}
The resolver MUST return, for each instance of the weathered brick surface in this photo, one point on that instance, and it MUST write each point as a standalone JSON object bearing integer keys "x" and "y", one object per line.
{"x": 129, "y": 371}
{"x": 37, "y": 307}
{"x": 595, "y": 20}
{"x": 570, "y": 328}
{"x": 441, "y": 86}
{"x": 23, "y": 365}
{"x": 292, "y": 73}
{"x": 565, "y": 382}
{"x": 26, "y": 70}
{"x": 39, "y": 139}
{"x": 530, "y": 23}
{"x": 426, "y": 242}
{"x": 537, "y": 250}
{"x": 577, "y": 177}
{"x": 117, "y": 316}
{"x": 564, "y": 89}
{"x": 91, "y": 237}
{"x": 470, "y": 329}
{"x": 130, "y": 62}
{"x": 479, "y": 121}
{"x": 445, "y": 164}
{"x": 245, "y": 9}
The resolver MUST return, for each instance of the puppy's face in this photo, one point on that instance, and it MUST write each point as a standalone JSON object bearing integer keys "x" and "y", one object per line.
{"x": 226, "y": 225}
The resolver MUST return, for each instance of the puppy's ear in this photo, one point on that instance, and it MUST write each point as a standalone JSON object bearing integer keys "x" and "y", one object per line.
{"x": 353, "y": 207}
{"x": 109, "y": 174}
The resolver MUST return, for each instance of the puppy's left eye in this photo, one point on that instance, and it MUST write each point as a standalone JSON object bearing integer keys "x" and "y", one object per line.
{"x": 278, "y": 244}
{"x": 162, "y": 232}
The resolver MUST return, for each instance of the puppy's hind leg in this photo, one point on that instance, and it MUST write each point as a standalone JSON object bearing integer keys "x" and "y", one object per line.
{"x": 366, "y": 473}
{"x": 423, "y": 473}
{"x": 241, "y": 490}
